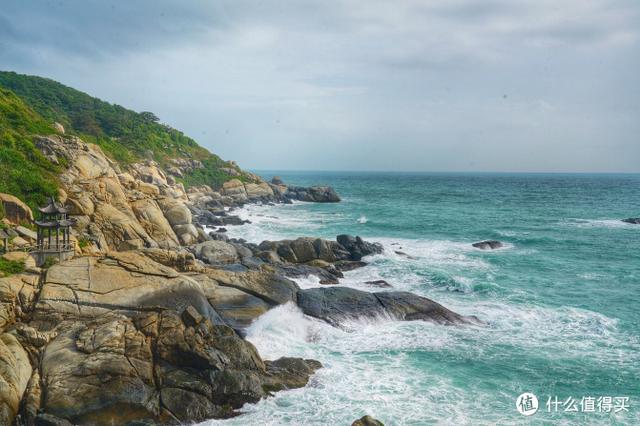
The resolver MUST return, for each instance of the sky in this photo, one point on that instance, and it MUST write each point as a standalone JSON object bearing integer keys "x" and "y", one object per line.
{"x": 403, "y": 85}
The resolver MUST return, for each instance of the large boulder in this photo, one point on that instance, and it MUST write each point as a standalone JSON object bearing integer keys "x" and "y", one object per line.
{"x": 17, "y": 293}
{"x": 180, "y": 218}
{"x": 121, "y": 229}
{"x": 15, "y": 371}
{"x": 236, "y": 307}
{"x": 336, "y": 304}
{"x": 256, "y": 191}
{"x": 155, "y": 222}
{"x": 304, "y": 249}
{"x": 162, "y": 367}
{"x": 99, "y": 372}
{"x": 235, "y": 189}
{"x": 216, "y": 252}
{"x": 128, "y": 339}
{"x": 14, "y": 209}
{"x": 272, "y": 288}
{"x": 323, "y": 194}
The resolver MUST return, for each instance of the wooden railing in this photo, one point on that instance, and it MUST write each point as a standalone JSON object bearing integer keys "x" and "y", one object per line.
{"x": 47, "y": 248}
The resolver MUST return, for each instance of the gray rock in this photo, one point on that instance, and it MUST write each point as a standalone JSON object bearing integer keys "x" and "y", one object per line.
{"x": 632, "y": 220}
{"x": 335, "y": 304}
{"x": 488, "y": 245}
{"x": 216, "y": 252}
{"x": 357, "y": 247}
{"x": 378, "y": 283}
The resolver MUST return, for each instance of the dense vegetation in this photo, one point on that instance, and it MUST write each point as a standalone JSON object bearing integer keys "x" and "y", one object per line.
{"x": 30, "y": 105}
{"x": 24, "y": 171}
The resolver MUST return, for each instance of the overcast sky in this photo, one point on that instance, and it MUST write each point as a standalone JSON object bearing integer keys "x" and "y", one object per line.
{"x": 434, "y": 85}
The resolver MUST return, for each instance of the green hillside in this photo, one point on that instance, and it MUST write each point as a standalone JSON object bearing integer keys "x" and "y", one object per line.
{"x": 29, "y": 105}
{"x": 25, "y": 172}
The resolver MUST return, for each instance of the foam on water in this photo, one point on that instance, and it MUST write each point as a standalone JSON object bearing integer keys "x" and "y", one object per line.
{"x": 375, "y": 367}
{"x": 599, "y": 223}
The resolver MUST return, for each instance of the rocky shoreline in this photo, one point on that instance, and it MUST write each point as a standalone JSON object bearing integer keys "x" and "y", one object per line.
{"x": 145, "y": 324}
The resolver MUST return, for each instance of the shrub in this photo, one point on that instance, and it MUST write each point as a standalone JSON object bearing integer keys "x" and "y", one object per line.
{"x": 10, "y": 267}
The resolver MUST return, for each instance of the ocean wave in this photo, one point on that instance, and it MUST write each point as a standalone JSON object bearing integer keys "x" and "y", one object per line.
{"x": 410, "y": 372}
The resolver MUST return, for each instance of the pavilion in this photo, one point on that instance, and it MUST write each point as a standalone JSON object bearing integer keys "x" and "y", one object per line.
{"x": 53, "y": 236}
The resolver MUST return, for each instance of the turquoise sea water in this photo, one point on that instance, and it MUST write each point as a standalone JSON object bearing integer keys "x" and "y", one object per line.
{"x": 561, "y": 300}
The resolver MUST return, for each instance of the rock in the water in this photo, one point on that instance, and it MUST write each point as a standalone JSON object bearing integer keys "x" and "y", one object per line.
{"x": 488, "y": 245}
{"x": 357, "y": 247}
{"x": 335, "y": 304}
{"x": 378, "y": 283}
{"x": 403, "y": 254}
{"x": 632, "y": 220}
{"x": 367, "y": 421}
{"x": 348, "y": 265}
{"x": 314, "y": 194}
{"x": 323, "y": 194}
{"x": 290, "y": 373}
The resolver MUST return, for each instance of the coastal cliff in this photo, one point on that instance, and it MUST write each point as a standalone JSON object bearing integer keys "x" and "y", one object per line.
{"x": 145, "y": 323}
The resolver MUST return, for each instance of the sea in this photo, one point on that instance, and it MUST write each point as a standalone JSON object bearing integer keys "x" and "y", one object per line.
{"x": 560, "y": 301}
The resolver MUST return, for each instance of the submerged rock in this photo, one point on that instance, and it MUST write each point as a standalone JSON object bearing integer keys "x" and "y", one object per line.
{"x": 403, "y": 254}
{"x": 488, "y": 245}
{"x": 335, "y": 304}
{"x": 632, "y": 220}
{"x": 367, "y": 421}
{"x": 378, "y": 283}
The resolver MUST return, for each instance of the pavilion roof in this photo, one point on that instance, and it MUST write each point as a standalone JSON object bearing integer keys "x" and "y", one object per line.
{"x": 55, "y": 223}
{"x": 53, "y": 208}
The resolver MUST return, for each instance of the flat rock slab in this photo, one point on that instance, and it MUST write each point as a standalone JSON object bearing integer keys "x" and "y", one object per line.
{"x": 127, "y": 282}
{"x": 336, "y": 304}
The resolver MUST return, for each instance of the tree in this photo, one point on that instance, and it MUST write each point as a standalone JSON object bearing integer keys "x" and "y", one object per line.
{"x": 149, "y": 116}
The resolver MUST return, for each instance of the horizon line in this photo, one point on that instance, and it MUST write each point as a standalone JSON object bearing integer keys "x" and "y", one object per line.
{"x": 447, "y": 172}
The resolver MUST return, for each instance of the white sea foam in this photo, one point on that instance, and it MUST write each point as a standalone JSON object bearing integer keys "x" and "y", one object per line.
{"x": 370, "y": 366}
{"x": 599, "y": 223}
